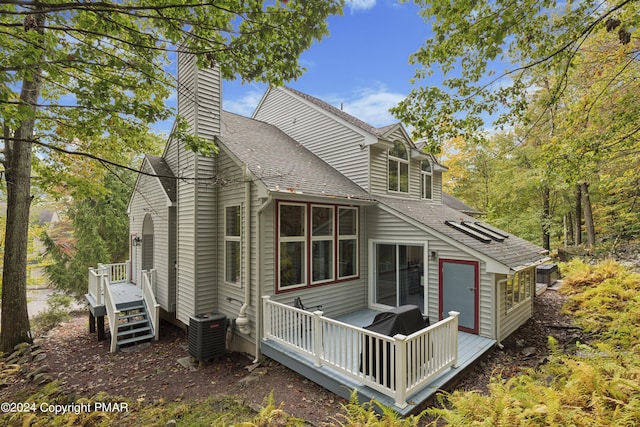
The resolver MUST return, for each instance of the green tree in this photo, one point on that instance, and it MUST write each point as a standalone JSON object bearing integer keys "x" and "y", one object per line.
{"x": 89, "y": 77}
{"x": 100, "y": 234}
{"x": 488, "y": 52}
{"x": 560, "y": 78}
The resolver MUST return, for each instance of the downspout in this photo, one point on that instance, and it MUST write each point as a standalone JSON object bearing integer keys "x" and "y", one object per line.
{"x": 242, "y": 322}
{"x": 259, "y": 277}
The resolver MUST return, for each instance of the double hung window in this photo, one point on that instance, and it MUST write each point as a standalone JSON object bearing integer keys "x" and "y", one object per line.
{"x": 232, "y": 244}
{"x": 426, "y": 181}
{"x": 398, "y": 168}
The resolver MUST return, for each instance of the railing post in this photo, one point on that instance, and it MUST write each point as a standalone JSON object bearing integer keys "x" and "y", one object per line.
{"x": 317, "y": 338}
{"x": 454, "y": 337}
{"x": 400, "y": 345}
{"x": 266, "y": 310}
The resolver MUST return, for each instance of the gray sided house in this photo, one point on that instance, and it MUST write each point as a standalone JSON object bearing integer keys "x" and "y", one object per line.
{"x": 305, "y": 201}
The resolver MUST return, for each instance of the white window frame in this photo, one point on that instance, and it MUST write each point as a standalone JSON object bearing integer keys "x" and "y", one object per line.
{"x": 521, "y": 285}
{"x": 356, "y": 268}
{"x": 235, "y": 239}
{"x": 398, "y": 161}
{"x": 289, "y": 239}
{"x": 373, "y": 269}
{"x": 330, "y": 238}
{"x": 423, "y": 177}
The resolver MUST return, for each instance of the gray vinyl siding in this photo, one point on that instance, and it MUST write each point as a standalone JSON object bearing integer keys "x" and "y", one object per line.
{"x": 150, "y": 199}
{"x": 199, "y": 102}
{"x": 206, "y": 237}
{"x": 383, "y": 226}
{"x": 186, "y": 254}
{"x": 325, "y": 136}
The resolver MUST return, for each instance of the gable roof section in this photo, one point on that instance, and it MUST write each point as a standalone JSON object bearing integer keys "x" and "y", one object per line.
{"x": 161, "y": 171}
{"x": 165, "y": 175}
{"x": 282, "y": 164}
{"x": 459, "y": 205}
{"x": 513, "y": 252}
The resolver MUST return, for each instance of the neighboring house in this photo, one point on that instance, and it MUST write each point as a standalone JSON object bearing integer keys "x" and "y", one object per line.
{"x": 305, "y": 201}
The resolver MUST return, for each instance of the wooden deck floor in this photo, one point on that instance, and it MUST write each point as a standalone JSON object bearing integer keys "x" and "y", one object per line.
{"x": 470, "y": 349}
{"x": 124, "y": 294}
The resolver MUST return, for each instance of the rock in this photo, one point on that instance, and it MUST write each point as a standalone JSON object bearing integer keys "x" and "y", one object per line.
{"x": 188, "y": 363}
{"x": 529, "y": 351}
{"x": 41, "y": 378}
{"x": 249, "y": 379}
{"x": 171, "y": 423}
{"x": 252, "y": 367}
{"x": 39, "y": 357}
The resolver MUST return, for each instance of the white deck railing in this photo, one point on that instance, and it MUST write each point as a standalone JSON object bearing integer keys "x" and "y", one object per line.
{"x": 395, "y": 366}
{"x": 153, "y": 308}
{"x": 95, "y": 285}
{"x": 117, "y": 273}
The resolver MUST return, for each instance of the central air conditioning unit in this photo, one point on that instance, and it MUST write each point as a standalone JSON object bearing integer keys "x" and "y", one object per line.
{"x": 207, "y": 335}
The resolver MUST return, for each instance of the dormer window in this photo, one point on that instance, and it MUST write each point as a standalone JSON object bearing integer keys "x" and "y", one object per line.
{"x": 398, "y": 168}
{"x": 426, "y": 181}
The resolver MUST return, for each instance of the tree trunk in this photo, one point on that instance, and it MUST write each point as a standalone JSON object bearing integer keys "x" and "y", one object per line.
{"x": 588, "y": 215}
{"x": 578, "y": 219}
{"x": 15, "y": 326}
{"x": 546, "y": 218}
{"x": 570, "y": 229}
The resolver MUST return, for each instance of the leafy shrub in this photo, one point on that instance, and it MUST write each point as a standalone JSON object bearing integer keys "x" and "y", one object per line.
{"x": 599, "y": 386}
{"x": 57, "y": 312}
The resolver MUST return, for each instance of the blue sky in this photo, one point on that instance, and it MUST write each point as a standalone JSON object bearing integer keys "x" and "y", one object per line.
{"x": 362, "y": 65}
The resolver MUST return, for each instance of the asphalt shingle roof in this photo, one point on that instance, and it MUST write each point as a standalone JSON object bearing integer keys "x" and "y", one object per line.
{"x": 281, "y": 163}
{"x": 284, "y": 165}
{"x": 514, "y": 252}
{"x": 165, "y": 175}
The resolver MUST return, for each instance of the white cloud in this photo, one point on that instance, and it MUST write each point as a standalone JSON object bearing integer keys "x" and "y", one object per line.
{"x": 361, "y": 4}
{"x": 244, "y": 106}
{"x": 371, "y": 105}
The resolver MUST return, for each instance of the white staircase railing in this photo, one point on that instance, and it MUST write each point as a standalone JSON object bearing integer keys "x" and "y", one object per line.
{"x": 113, "y": 313}
{"x": 153, "y": 308}
{"x": 395, "y": 366}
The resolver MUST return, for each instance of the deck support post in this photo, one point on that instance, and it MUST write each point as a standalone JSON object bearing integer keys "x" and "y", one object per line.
{"x": 92, "y": 323}
{"x": 266, "y": 308}
{"x": 317, "y": 337}
{"x": 101, "y": 336}
{"x": 454, "y": 337}
{"x": 401, "y": 370}
{"x": 93, "y": 320}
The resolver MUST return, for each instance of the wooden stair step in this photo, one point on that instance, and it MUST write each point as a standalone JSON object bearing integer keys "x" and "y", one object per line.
{"x": 134, "y": 331}
{"x": 133, "y": 323}
{"x": 132, "y": 315}
{"x": 135, "y": 339}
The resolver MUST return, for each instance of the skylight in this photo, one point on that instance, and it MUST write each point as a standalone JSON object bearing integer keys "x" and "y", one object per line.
{"x": 478, "y": 231}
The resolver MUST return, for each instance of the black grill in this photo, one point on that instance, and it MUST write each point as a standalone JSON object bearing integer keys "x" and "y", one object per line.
{"x": 207, "y": 335}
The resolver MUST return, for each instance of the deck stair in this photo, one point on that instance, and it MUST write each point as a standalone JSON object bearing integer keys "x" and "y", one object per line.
{"x": 133, "y": 324}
